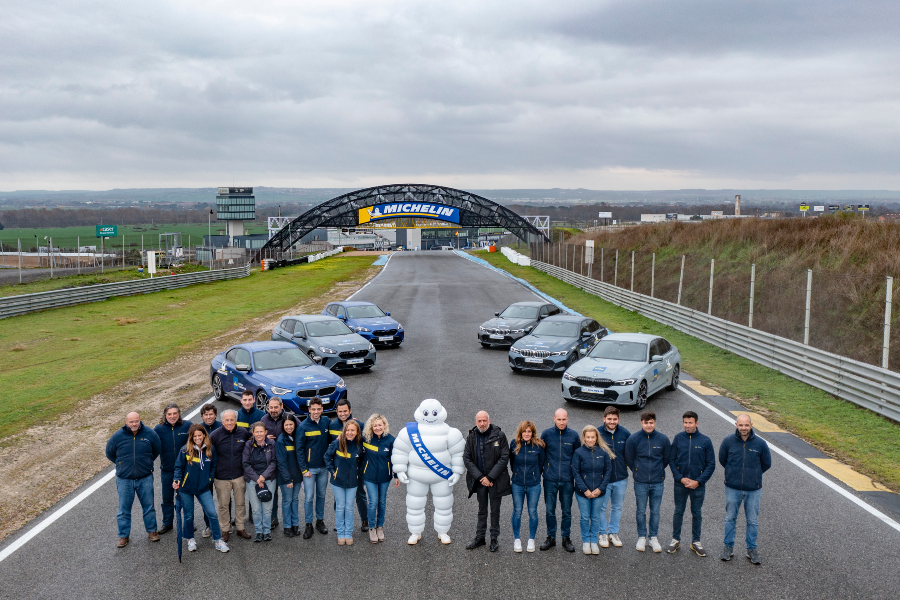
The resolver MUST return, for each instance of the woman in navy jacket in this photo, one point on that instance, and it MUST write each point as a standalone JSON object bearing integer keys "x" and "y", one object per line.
{"x": 259, "y": 472}
{"x": 195, "y": 470}
{"x": 289, "y": 479}
{"x": 342, "y": 459}
{"x": 378, "y": 445}
{"x": 527, "y": 453}
{"x": 592, "y": 465}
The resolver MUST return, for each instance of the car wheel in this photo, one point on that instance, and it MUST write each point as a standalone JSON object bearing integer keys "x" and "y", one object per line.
{"x": 312, "y": 355}
{"x": 641, "y": 396}
{"x": 674, "y": 385}
{"x": 218, "y": 390}
{"x": 262, "y": 400}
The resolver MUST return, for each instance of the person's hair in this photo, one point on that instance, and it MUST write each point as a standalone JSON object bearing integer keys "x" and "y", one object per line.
{"x": 343, "y": 402}
{"x": 611, "y": 410}
{"x": 190, "y": 443}
{"x": 648, "y": 415}
{"x": 342, "y": 439}
{"x": 314, "y": 400}
{"x": 255, "y": 425}
{"x": 209, "y": 407}
{"x": 690, "y": 415}
{"x": 275, "y": 399}
{"x": 229, "y": 410}
{"x": 367, "y": 430}
{"x": 600, "y": 442}
{"x": 162, "y": 420}
{"x": 246, "y": 393}
{"x": 534, "y": 436}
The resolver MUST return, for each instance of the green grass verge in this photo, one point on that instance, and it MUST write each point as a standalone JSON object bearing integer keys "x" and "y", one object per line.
{"x": 851, "y": 434}
{"x": 56, "y": 358}
{"x": 111, "y": 275}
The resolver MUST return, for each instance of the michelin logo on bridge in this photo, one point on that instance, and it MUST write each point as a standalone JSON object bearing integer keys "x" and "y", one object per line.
{"x": 408, "y": 209}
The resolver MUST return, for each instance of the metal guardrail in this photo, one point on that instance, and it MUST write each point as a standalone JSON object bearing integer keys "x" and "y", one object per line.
{"x": 19, "y": 305}
{"x": 862, "y": 384}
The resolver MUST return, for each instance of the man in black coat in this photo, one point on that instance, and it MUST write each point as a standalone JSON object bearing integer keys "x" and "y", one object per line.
{"x": 486, "y": 456}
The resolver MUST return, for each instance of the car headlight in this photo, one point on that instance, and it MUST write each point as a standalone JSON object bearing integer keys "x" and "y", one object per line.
{"x": 371, "y": 347}
{"x": 325, "y": 350}
{"x": 280, "y": 391}
{"x": 624, "y": 382}
{"x": 568, "y": 376}
{"x": 517, "y": 331}
{"x": 341, "y": 383}
{"x": 480, "y": 328}
{"x": 358, "y": 329}
{"x": 560, "y": 353}
{"x": 399, "y": 327}
{"x": 514, "y": 350}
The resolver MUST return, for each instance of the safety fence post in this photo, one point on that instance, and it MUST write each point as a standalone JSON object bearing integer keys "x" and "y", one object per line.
{"x": 652, "y": 274}
{"x": 808, "y": 302}
{"x": 680, "y": 280}
{"x": 752, "y": 285}
{"x": 601, "y": 264}
{"x": 616, "y": 271}
{"x": 632, "y": 270}
{"x": 712, "y": 269}
{"x": 885, "y": 346}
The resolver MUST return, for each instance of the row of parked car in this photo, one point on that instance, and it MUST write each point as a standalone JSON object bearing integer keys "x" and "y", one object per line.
{"x": 305, "y": 352}
{"x": 596, "y": 365}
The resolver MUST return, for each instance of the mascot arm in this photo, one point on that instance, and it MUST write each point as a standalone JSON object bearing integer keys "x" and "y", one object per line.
{"x": 456, "y": 443}
{"x": 400, "y": 454}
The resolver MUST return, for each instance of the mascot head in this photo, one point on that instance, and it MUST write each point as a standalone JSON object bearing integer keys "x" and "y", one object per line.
{"x": 430, "y": 412}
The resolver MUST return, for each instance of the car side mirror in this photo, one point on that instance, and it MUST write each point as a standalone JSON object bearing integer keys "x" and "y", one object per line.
{"x": 586, "y": 335}
{"x": 387, "y": 314}
{"x": 496, "y": 314}
{"x": 317, "y": 360}
{"x": 342, "y": 317}
{"x": 299, "y": 336}
{"x": 656, "y": 358}
{"x": 582, "y": 352}
{"x": 244, "y": 368}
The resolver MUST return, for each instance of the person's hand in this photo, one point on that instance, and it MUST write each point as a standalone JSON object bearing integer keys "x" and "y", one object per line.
{"x": 307, "y": 474}
{"x": 689, "y": 483}
{"x": 271, "y": 437}
{"x": 290, "y": 486}
{"x": 396, "y": 483}
{"x": 175, "y": 485}
{"x": 261, "y": 480}
{"x": 486, "y": 482}
{"x": 402, "y": 477}
{"x": 453, "y": 479}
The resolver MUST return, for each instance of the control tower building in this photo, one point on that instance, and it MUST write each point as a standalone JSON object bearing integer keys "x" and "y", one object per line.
{"x": 235, "y": 205}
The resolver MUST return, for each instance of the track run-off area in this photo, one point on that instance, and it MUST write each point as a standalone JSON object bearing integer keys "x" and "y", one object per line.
{"x": 817, "y": 537}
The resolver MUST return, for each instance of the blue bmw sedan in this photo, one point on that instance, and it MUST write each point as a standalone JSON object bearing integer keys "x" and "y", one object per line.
{"x": 554, "y": 344}
{"x": 368, "y": 320}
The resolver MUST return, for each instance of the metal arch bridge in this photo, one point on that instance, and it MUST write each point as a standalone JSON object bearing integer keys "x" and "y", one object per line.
{"x": 344, "y": 211}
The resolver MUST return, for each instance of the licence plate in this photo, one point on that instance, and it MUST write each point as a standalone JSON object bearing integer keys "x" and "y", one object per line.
{"x": 386, "y": 338}
{"x": 591, "y": 390}
{"x": 496, "y": 336}
{"x": 354, "y": 361}
{"x": 535, "y": 360}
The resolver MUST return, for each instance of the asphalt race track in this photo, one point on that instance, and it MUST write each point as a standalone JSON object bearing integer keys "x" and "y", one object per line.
{"x": 813, "y": 542}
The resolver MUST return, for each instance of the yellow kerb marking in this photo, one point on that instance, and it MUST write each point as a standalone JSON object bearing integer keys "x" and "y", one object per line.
{"x": 700, "y": 389}
{"x": 760, "y": 423}
{"x": 838, "y": 470}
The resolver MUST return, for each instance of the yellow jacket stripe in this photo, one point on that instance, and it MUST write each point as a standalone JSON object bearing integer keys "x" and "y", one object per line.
{"x": 291, "y": 448}
{"x": 370, "y": 447}
{"x": 343, "y": 454}
{"x": 244, "y": 425}
{"x": 312, "y": 433}
{"x": 334, "y": 432}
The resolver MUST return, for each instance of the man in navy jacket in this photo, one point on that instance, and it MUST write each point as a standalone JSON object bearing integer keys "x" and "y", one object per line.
{"x": 647, "y": 455}
{"x": 559, "y": 481}
{"x": 692, "y": 462}
{"x": 745, "y": 457}
{"x": 615, "y": 437}
{"x": 133, "y": 448}
{"x": 312, "y": 442}
{"x": 172, "y": 431}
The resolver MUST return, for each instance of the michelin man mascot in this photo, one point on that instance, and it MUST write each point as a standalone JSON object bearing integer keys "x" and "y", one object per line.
{"x": 428, "y": 454}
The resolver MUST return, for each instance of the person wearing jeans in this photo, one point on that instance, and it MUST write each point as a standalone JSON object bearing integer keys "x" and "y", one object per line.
{"x": 692, "y": 463}
{"x": 312, "y": 442}
{"x": 259, "y": 470}
{"x": 647, "y": 455}
{"x": 173, "y": 435}
{"x": 342, "y": 459}
{"x": 561, "y": 443}
{"x": 378, "y": 444}
{"x": 745, "y": 457}
{"x": 289, "y": 478}
{"x": 133, "y": 448}
{"x": 615, "y": 437}
{"x": 526, "y": 462}
{"x": 195, "y": 471}
{"x": 343, "y": 412}
{"x": 591, "y": 466}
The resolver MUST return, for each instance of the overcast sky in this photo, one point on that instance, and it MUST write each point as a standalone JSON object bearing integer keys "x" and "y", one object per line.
{"x": 634, "y": 94}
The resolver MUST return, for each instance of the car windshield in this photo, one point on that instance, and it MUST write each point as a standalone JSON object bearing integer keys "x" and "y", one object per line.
{"x": 520, "y": 312}
{"x": 364, "y": 312}
{"x": 557, "y": 329}
{"x": 617, "y": 350}
{"x": 326, "y": 328}
{"x": 281, "y": 358}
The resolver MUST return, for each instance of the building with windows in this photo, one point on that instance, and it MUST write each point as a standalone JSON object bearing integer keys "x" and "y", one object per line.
{"x": 234, "y": 205}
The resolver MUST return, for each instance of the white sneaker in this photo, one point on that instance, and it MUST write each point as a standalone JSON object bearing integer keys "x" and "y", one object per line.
{"x": 192, "y": 545}
{"x": 221, "y": 546}
{"x": 414, "y": 539}
{"x": 517, "y": 546}
{"x": 586, "y": 548}
{"x": 445, "y": 539}
{"x": 654, "y": 543}
{"x": 604, "y": 540}
{"x": 207, "y": 532}
{"x": 530, "y": 547}
{"x": 614, "y": 538}
{"x": 641, "y": 544}
{"x": 595, "y": 549}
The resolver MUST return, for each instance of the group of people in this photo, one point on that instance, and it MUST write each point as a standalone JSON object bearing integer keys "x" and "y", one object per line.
{"x": 252, "y": 457}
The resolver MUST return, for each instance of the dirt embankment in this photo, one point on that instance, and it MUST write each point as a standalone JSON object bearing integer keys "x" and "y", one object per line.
{"x": 44, "y": 463}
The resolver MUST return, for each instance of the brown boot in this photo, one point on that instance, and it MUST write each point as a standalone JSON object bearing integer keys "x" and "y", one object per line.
{"x": 243, "y": 533}
{"x": 154, "y": 537}
{"x": 122, "y": 542}
{"x": 225, "y": 536}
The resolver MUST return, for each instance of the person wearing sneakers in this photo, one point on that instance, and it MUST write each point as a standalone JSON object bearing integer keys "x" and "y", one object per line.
{"x": 343, "y": 411}
{"x": 527, "y": 454}
{"x": 194, "y": 475}
{"x": 342, "y": 459}
{"x": 692, "y": 462}
{"x": 591, "y": 466}
{"x": 259, "y": 472}
{"x": 561, "y": 443}
{"x": 289, "y": 478}
{"x": 485, "y": 457}
{"x": 173, "y": 435}
{"x": 647, "y": 455}
{"x": 312, "y": 442}
{"x": 248, "y": 414}
{"x": 745, "y": 457}
{"x": 229, "y": 441}
{"x": 133, "y": 448}
{"x": 615, "y": 437}
{"x": 377, "y": 472}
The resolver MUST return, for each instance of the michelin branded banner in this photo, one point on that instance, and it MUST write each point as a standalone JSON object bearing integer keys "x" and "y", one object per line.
{"x": 408, "y": 209}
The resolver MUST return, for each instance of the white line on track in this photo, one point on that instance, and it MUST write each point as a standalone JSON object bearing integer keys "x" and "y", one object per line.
{"x": 72, "y": 503}
{"x": 864, "y": 505}
{"x": 373, "y": 279}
